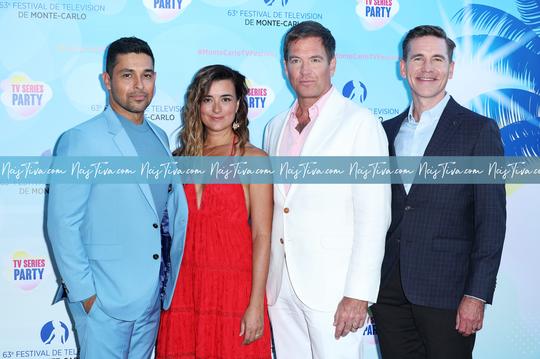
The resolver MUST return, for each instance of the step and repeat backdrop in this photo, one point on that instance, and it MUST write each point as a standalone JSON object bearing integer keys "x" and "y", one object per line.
{"x": 50, "y": 65}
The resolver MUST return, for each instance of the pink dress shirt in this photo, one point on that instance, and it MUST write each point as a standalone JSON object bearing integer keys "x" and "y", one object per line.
{"x": 293, "y": 141}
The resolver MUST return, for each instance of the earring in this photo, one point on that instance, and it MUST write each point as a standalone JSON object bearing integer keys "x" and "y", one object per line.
{"x": 235, "y": 125}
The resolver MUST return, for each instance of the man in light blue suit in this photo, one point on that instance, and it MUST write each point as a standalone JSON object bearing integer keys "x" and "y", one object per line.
{"x": 118, "y": 247}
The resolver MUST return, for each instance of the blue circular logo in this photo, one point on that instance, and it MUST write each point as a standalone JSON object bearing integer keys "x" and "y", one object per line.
{"x": 54, "y": 332}
{"x": 271, "y": 2}
{"x": 355, "y": 90}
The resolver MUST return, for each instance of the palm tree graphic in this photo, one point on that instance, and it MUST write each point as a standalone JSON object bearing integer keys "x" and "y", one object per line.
{"x": 509, "y": 50}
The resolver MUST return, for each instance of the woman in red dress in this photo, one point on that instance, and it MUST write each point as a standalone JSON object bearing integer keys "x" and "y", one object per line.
{"x": 218, "y": 308}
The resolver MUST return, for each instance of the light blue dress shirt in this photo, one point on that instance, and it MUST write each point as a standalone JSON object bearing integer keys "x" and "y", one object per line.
{"x": 413, "y": 137}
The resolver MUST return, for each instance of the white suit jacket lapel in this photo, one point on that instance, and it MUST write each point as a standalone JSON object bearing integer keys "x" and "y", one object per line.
{"x": 323, "y": 128}
{"x": 277, "y": 145}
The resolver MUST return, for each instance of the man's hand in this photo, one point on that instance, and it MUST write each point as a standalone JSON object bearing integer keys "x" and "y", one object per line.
{"x": 350, "y": 315}
{"x": 470, "y": 316}
{"x": 89, "y": 303}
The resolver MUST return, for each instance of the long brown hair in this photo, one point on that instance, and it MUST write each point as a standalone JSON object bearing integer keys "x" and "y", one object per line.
{"x": 193, "y": 133}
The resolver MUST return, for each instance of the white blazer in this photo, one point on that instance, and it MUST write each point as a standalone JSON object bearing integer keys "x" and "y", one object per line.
{"x": 332, "y": 236}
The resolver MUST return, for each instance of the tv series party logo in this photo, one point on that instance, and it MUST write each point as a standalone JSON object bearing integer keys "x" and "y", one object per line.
{"x": 27, "y": 271}
{"x": 23, "y": 97}
{"x": 370, "y": 331}
{"x": 376, "y": 14}
{"x": 259, "y": 99}
{"x": 165, "y": 10}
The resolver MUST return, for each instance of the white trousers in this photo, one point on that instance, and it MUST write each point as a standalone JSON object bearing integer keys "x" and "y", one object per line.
{"x": 301, "y": 332}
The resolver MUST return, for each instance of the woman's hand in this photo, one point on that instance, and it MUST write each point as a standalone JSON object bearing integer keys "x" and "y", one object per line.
{"x": 252, "y": 324}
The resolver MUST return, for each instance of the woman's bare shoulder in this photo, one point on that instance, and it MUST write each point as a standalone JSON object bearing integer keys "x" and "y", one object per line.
{"x": 251, "y": 150}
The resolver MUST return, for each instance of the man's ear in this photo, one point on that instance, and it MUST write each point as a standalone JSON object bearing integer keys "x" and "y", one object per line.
{"x": 451, "y": 70}
{"x": 333, "y": 66}
{"x": 106, "y": 80}
{"x": 403, "y": 68}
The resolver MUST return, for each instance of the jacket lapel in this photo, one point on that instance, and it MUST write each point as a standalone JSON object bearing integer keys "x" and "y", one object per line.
{"x": 126, "y": 148}
{"x": 163, "y": 141}
{"x": 281, "y": 127}
{"x": 391, "y": 133}
{"x": 445, "y": 129}
{"x": 447, "y": 126}
{"x": 328, "y": 120}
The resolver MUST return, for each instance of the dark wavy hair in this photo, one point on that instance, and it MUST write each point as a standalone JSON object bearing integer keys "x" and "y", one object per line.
{"x": 307, "y": 29}
{"x": 193, "y": 132}
{"x": 427, "y": 30}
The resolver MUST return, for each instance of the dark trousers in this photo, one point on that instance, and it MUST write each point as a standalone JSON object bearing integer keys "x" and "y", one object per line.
{"x": 409, "y": 331}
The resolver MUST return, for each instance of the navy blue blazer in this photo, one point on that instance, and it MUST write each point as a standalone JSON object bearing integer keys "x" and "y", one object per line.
{"x": 448, "y": 237}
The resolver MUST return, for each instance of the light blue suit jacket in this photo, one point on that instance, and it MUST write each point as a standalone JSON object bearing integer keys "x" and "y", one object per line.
{"x": 105, "y": 237}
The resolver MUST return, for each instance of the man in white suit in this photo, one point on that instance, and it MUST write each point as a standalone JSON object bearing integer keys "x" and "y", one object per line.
{"x": 327, "y": 239}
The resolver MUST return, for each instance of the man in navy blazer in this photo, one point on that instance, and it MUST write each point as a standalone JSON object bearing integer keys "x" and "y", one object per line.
{"x": 107, "y": 238}
{"x": 445, "y": 241}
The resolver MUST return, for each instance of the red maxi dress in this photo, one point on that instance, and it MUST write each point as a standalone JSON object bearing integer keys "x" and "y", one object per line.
{"x": 214, "y": 284}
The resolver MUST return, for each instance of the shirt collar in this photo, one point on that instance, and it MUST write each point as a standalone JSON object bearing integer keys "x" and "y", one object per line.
{"x": 315, "y": 110}
{"x": 431, "y": 115}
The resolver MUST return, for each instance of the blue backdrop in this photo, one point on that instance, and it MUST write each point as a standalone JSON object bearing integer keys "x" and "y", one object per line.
{"x": 50, "y": 64}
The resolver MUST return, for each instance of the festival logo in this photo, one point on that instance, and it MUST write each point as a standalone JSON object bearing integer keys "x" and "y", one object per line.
{"x": 24, "y": 97}
{"x": 259, "y": 99}
{"x": 355, "y": 90}
{"x": 165, "y": 10}
{"x": 27, "y": 271}
{"x": 54, "y": 332}
{"x": 272, "y": 2}
{"x": 273, "y": 15}
{"x": 376, "y": 14}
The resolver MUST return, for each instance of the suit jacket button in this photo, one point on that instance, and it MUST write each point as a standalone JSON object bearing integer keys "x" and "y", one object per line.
{"x": 281, "y": 240}
{"x": 408, "y": 208}
{"x": 286, "y": 210}
{"x": 155, "y": 256}
{"x": 155, "y": 225}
